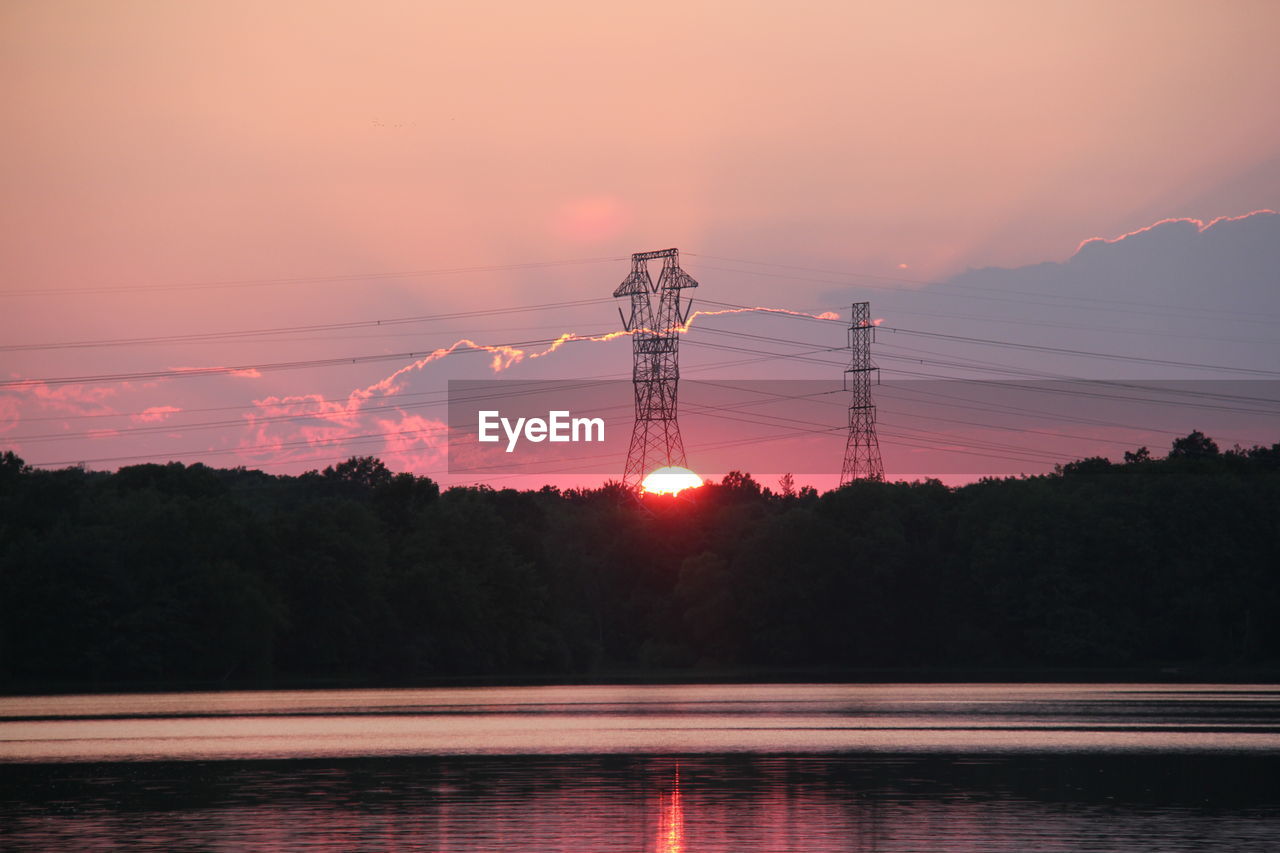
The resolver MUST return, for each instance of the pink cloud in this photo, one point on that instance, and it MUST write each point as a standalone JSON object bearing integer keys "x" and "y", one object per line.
{"x": 304, "y": 427}
{"x": 304, "y": 405}
{"x": 503, "y": 357}
{"x": 74, "y": 399}
{"x": 298, "y": 427}
{"x": 415, "y": 442}
{"x": 154, "y": 414}
{"x": 322, "y": 435}
{"x": 244, "y": 373}
{"x": 9, "y": 414}
{"x": 1200, "y": 225}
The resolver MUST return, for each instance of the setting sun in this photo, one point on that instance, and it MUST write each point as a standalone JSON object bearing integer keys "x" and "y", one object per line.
{"x": 671, "y": 480}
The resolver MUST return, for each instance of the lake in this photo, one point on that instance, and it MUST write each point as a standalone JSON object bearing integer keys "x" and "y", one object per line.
{"x": 691, "y": 768}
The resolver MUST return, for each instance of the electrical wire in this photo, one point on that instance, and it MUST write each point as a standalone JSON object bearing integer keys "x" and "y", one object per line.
{"x": 321, "y": 327}
{"x": 954, "y": 288}
{"x": 768, "y": 355}
{"x": 322, "y": 279}
{"x": 179, "y": 373}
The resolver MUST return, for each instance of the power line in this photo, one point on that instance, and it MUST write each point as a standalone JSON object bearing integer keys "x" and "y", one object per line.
{"x": 999, "y": 343}
{"x": 322, "y": 327}
{"x": 1085, "y": 353}
{"x": 320, "y": 401}
{"x": 968, "y": 363}
{"x": 1030, "y": 374}
{"x": 1062, "y": 391}
{"x": 767, "y": 419}
{"x": 970, "y": 447}
{"x": 952, "y": 286}
{"x": 888, "y": 389}
{"x": 438, "y": 396}
{"x": 364, "y": 438}
{"x": 1090, "y": 327}
{"x": 801, "y": 356}
{"x": 176, "y": 373}
{"x": 321, "y": 279}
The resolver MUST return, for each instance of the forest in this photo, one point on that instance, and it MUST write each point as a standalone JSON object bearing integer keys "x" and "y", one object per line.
{"x": 175, "y": 575}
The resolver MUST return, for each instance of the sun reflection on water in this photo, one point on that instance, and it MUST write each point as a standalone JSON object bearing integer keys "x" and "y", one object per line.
{"x": 671, "y": 820}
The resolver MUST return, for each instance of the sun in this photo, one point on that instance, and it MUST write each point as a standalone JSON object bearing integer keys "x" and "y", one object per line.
{"x": 671, "y": 480}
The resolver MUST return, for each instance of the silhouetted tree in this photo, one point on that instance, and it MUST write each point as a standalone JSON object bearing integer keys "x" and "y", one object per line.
{"x": 1196, "y": 445}
{"x": 787, "y": 485}
{"x": 11, "y": 466}
{"x": 366, "y": 472}
{"x": 1142, "y": 454}
{"x": 1092, "y": 465}
{"x": 169, "y": 573}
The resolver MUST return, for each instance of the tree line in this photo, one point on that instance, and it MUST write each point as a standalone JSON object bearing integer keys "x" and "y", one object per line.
{"x": 174, "y": 574}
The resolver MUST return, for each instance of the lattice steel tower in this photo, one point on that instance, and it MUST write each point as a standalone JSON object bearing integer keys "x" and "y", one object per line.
{"x": 655, "y": 438}
{"x": 862, "y": 450}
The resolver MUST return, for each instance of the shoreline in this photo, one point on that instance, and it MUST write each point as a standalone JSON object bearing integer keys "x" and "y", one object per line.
{"x": 1174, "y": 675}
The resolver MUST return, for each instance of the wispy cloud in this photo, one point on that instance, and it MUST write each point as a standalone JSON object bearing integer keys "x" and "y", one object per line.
{"x": 1199, "y": 224}
{"x": 154, "y": 414}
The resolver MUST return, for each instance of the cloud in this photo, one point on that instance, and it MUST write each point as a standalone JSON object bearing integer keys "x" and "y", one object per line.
{"x": 304, "y": 405}
{"x": 1186, "y": 292}
{"x": 312, "y": 427}
{"x": 154, "y": 414}
{"x": 415, "y": 443}
{"x": 1225, "y": 264}
{"x": 9, "y": 412}
{"x": 1170, "y": 226}
{"x": 245, "y": 373}
{"x": 298, "y": 427}
{"x": 72, "y": 399}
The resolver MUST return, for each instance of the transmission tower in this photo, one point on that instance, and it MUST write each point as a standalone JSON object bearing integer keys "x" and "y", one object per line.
{"x": 862, "y": 450}
{"x": 655, "y": 438}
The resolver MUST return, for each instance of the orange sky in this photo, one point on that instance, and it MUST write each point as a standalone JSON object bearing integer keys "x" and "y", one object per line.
{"x": 157, "y": 143}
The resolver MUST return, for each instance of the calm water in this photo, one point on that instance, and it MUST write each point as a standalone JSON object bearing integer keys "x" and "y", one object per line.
{"x": 698, "y": 769}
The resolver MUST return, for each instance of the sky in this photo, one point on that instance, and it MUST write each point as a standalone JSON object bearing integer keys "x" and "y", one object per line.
{"x": 181, "y": 170}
